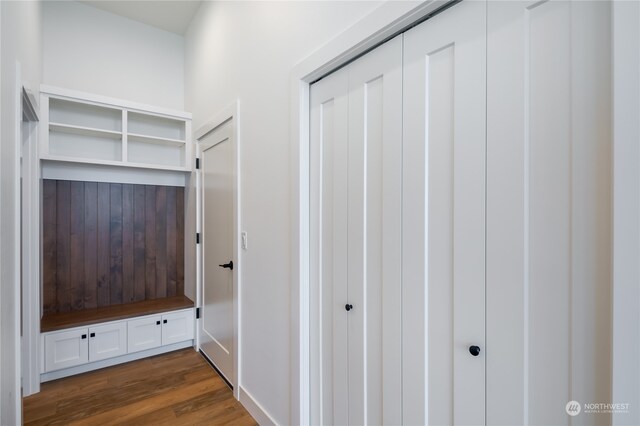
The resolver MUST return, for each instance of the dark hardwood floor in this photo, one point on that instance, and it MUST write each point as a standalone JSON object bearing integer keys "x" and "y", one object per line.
{"x": 178, "y": 388}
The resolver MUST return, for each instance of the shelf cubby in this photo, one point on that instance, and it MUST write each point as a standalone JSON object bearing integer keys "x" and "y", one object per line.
{"x": 84, "y": 115}
{"x": 97, "y": 130}
{"x": 163, "y": 128}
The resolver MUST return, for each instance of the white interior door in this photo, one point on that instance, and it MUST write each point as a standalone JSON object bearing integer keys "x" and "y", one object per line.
{"x": 356, "y": 139}
{"x": 443, "y": 222}
{"x": 216, "y": 327}
{"x": 549, "y": 211}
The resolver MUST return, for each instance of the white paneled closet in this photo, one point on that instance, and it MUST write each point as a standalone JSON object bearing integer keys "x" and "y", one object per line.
{"x": 460, "y": 221}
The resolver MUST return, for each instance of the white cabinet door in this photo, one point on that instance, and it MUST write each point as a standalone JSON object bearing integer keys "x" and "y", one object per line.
{"x": 144, "y": 333}
{"x": 177, "y": 326}
{"x": 107, "y": 341}
{"x": 65, "y": 349}
{"x": 548, "y": 211}
{"x": 443, "y": 207}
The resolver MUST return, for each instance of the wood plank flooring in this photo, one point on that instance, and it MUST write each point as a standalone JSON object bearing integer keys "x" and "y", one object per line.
{"x": 178, "y": 388}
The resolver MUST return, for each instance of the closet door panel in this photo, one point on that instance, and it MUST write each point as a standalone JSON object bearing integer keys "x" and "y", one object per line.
{"x": 444, "y": 218}
{"x": 329, "y": 144}
{"x": 375, "y": 231}
{"x": 548, "y": 204}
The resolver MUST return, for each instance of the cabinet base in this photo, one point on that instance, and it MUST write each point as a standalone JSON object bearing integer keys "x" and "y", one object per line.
{"x": 58, "y": 374}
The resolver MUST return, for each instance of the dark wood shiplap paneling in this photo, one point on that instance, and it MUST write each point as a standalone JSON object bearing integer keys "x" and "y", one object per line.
{"x": 49, "y": 249}
{"x": 90, "y": 246}
{"x": 139, "y": 236}
{"x": 107, "y": 244}
{"x": 77, "y": 283}
{"x": 127, "y": 243}
{"x": 161, "y": 241}
{"x": 63, "y": 245}
{"x": 104, "y": 246}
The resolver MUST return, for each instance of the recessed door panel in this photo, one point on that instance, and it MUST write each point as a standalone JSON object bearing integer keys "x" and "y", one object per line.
{"x": 329, "y": 138}
{"x": 144, "y": 333}
{"x": 356, "y": 151}
{"x": 65, "y": 349}
{"x": 374, "y": 236}
{"x": 549, "y": 210}
{"x": 107, "y": 341}
{"x": 444, "y": 218}
{"x": 177, "y": 327}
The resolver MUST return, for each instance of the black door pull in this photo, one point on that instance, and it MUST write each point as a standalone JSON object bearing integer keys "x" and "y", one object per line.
{"x": 227, "y": 265}
{"x": 348, "y": 307}
{"x": 474, "y": 350}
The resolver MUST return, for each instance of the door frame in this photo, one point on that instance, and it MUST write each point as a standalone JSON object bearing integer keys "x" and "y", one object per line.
{"x": 30, "y": 236}
{"x": 229, "y": 114}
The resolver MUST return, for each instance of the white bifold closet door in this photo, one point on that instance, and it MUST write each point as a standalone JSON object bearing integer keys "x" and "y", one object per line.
{"x": 549, "y": 211}
{"x": 461, "y": 181}
{"x": 398, "y": 229}
{"x": 356, "y": 142}
{"x": 444, "y": 218}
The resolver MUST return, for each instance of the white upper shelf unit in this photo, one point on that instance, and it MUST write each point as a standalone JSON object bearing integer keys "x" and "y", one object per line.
{"x": 93, "y": 129}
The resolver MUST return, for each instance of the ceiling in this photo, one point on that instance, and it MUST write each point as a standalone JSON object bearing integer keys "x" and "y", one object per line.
{"x": 169, "y": 15}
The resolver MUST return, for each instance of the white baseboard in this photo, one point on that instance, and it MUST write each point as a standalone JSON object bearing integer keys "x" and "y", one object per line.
{"x": 255, "y": 409}
{"x": 53, "y": 375}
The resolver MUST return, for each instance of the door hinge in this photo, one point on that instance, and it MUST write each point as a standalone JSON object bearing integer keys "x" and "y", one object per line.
{"x": 197, "y": 163}
{"x": 197, "y": 313}
{"x": 197, "y": 238}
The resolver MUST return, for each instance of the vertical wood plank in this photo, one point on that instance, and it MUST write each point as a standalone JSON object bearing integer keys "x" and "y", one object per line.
{"x": 115, "y": 231}
{"x": 91, "y": 245}
{"x": 108, "y": 244}
{"x": 139, "y": 274}
{"x": 180, "y": 241}
{"x": 63, "y": 246}
{"x": 171, "y": 242}
{"x": 161, "y": 241}
{"x": 77, "y": 278}
{"x": 104, "y": 247}
{"x": 49, "y": 249}
{"x": 127, "y": 244}
{"x": 150, "y": 241}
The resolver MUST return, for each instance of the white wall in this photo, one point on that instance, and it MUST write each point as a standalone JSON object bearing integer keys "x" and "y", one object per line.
{"x": 626, "y": 210}
{"x": 91, "y": 50}
{"x": 20, "y": 42}
{"x": 246, "y": 51}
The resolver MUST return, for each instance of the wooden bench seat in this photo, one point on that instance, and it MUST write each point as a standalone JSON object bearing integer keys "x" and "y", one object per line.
{"x": 59, "y": 321}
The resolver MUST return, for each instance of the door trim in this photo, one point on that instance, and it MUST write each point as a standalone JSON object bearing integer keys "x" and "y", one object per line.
{"x": 229, "y": 114}
{"x": 380, "y": 25}
{"x": 30, "y": 217}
